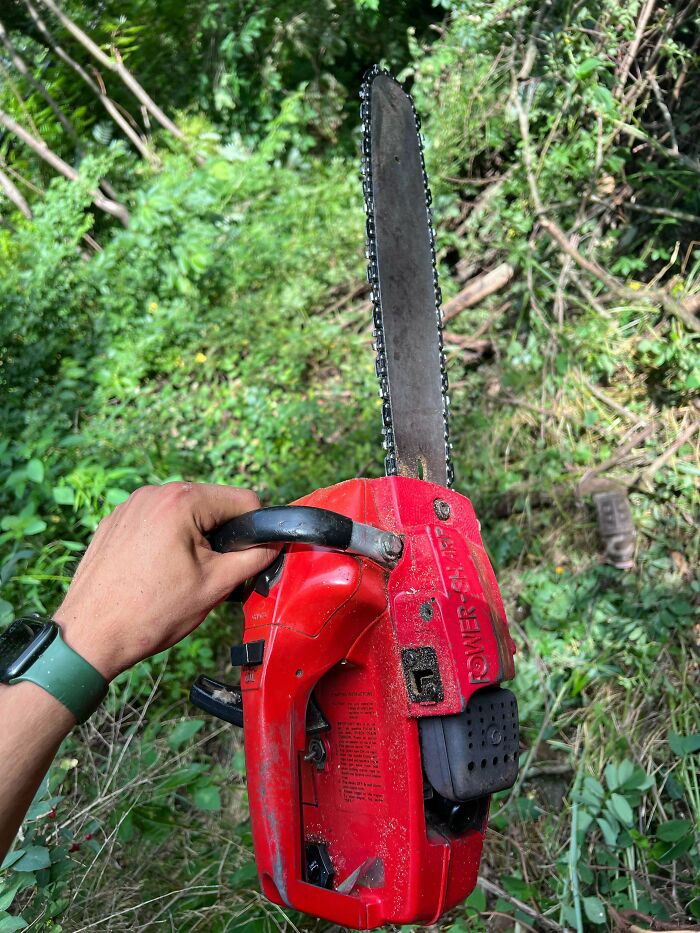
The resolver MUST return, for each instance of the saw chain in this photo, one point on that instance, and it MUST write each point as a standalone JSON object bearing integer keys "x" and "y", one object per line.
{"x": 391, "y": 460}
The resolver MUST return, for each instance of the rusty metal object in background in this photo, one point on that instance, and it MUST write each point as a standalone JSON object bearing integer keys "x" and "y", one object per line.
{"x": 616, "y": 527}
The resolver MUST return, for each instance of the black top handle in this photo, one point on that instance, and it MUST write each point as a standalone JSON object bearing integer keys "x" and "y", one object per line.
{"x": 304, "y": 524}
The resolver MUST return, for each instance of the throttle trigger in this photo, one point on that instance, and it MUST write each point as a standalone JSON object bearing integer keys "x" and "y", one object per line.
{"x": 220, "y": 700}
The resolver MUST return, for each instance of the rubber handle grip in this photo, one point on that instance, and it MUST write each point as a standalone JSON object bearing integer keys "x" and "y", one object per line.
{"x": 294, "y": 524}
{"x": 220, "y": 700}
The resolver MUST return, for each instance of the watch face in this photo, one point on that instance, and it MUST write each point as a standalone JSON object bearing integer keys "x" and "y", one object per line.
{"x": 21, "y": 644}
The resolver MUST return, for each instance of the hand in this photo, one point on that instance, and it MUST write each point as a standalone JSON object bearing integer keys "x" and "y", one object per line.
{"x": 149, "y": 576}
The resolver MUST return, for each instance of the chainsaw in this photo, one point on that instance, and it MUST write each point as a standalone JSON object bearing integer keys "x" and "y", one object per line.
{"x": 374, "y": 648}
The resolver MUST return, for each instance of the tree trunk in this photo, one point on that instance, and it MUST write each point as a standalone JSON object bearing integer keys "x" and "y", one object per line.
{"x": 56, "y": 162}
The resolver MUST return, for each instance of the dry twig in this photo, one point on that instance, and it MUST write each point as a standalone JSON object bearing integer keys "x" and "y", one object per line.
{"x": 498, "y": 891}
{"x": 685, "y": 435}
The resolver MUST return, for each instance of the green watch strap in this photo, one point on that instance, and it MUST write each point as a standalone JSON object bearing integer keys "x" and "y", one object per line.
{"x": 69, "y": 678}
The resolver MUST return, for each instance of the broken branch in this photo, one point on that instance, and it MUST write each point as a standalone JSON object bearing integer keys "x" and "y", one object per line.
{"x": 477, "y": 289}
{"x": 56, "y": 162}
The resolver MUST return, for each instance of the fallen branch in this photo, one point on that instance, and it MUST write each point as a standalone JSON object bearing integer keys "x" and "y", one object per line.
{"x": 474, "y": 349}
{"x": 635, "y": 133}
{"x": 477, "y": 289}
{"x": 15, "y": 195}
{"x": 622, "y": 920}
{"x": 647, "y": 474}
{"x": 635, "y": 929}
{"x": 498, "y": 891}
{"x": 683, "y": 216}
{"x": 56, "y": 162}
{"x": 475, "y": 182}
{"x": 552, "y": 770}
{"x": 656, "y": 295}
{"x": 611, "y": 403}
{"x": 637, "y": 436}
{"x": 354, "y": 292}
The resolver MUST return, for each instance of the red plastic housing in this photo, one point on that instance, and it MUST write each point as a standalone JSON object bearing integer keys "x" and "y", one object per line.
{"x": 336, "y": 625}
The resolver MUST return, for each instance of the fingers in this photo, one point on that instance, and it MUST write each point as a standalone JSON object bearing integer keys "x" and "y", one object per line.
{"x": 227, "y": 571}
{"x": 211, "y": 505}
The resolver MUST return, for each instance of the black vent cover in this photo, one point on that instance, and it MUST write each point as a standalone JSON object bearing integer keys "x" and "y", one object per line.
{"x": 474, "y": 753}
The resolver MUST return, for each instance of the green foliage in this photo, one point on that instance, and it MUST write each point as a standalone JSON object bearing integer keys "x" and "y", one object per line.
{"x": 235, "y": 62}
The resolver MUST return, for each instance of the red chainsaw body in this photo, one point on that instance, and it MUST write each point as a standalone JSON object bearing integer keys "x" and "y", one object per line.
{"x": 338, "y": 626}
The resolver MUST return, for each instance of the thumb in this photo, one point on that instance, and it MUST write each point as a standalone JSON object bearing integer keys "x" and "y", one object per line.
{"x": 227, "y": 571}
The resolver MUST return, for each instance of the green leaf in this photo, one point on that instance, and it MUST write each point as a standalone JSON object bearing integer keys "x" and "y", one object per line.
{"x": 683, "y": 745}
{"x": 42, "y": 807}
{"x": 611, "y": 778}
{"x": 676, "y": 851}
{"x": 674, "y": 830}
{"x": 63, "y": 495}
{"x": 239, "y": 761}
{"x": 587, "y": 67}
{"x": 8, "y": 896}
{"x": 527, "y": 809}
{"x": 115, "y": 496}
{"x": 184, "y": 731}
{"x": 9, "y": 924}
{"x": 639, "y": 780}
{"x": 477, "y": 900}
{"x": 603, "y": 97}
{"x": 9, "y": 567}
{"x": 35, "y": 526}
{"x": 621, "y": 809}
{"x": 625, "y": 770}
{"x": 183, "y": 777}
{"x": 517, "y": 887}
{"x": 244, "y": 876}
{"x": 207, "y": 798}
{"x": 33, "y": 859}
{"x": 609, "y": 832}
{"x": 594, "y": 910}
{"x": 11, "y": 858}
{"x": 594, "y": 786}
{"x": 673, "y": 788}
{"x": 584, "y": 821}
{"x": 35, "y": 471}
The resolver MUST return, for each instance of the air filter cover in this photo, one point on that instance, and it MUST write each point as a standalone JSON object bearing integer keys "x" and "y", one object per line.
{"x": 474, "y": 753}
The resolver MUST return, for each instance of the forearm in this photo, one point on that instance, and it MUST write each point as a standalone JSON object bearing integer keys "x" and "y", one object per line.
{"x": 32, "y": 726}
{"x": 148, "y": 578}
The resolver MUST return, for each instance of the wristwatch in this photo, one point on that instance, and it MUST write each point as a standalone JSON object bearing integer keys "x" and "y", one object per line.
{"x": 32, "y": 649}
